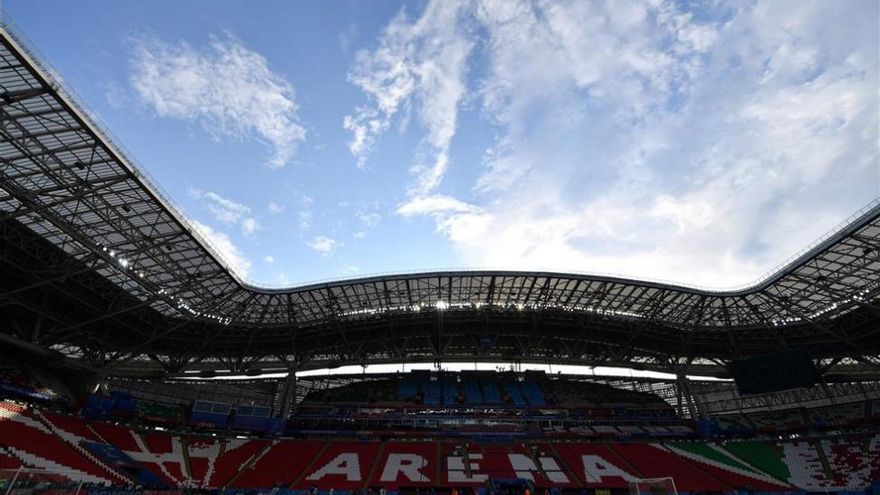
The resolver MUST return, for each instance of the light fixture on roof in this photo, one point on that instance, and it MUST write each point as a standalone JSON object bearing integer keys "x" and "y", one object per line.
{"x": 442, "y": 305}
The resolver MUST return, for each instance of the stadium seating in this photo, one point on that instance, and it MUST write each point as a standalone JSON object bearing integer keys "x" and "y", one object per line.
{"x": 382, "y": 391}
{"x": 778, "y": 420}
{"x": 516, "y": 391}
{"x": 21, "y": 381}
{"x": 53, "y": 441}
{"x": 874, "y": 451}
{"x": 450, "y": 391}
{"x": 733, "y": 423}
{"x": 163, "y": 413}
{"x": 433, "y": 393}
{"x": 339, "y": 465}
{"x": 508, "y": 383}
{"x": 491, "y": 394}
{"x": 410, "y": 386}
{"x": 30, "y": 441}
{"x": 161, "y": 454}
{"x": 653, "y": 461}
{"x": 71, "y": 425}
{"x": 75, "y": 433}
{"x": 765, "y": 457}
{"x": 472, "y": 392}
{"x": 8, "y": 462}
{"x": 532, "y": 392}
{"x": 720, "y": 465}
{"x": 281, "y": 464}
{"x": 121, "y": 437}
{"x": 852, "y": 463}
{"x": 234, "y": 455}
{"x": 838, "y": 414}
{"x": 595, "y": 465}
{"x": 407, "y": 464}
{"x": 202, "y": 454}
{"x": 805, "y": 466}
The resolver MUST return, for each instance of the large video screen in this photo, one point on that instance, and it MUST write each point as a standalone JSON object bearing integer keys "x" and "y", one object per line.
{"x": 771, "y": 373}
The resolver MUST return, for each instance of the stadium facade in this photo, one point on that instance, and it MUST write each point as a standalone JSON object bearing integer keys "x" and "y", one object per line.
{"x": 118, "y": 320}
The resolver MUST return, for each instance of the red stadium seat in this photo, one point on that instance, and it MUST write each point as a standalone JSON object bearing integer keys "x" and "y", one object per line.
{"x": 48, "y": 440}
{"x": 342, "y": 465}
{"x": 235, "y": 454}
{"x": 654, "y": 462}
{"x": 407, "y": 464}
{"x": 28, "y": 439}
{"x": 282, "y": 464}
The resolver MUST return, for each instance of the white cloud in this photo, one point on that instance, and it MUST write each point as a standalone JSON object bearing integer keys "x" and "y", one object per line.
{"x": 305, "y": 215}
{"x": 421, "y": 65}
{"x": 324, "y": 245}
{"x": 226, "y": 210}
{"x": 268, "y": 259}
{"x": 684, "y": 213}
{"x": 225, "y": 87}
{"x": 225, "y": 248}
{"x": 368, "y": 217}
{"x": 434, "y": 204}
{"x": 222, "y": 209}
{"x": 249, "y": 226}
{"x": 644, "y": 138}
{"x": 274, "y": 208}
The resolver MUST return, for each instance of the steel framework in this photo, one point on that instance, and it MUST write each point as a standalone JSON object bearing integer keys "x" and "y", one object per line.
{"x": 96, "y": 264}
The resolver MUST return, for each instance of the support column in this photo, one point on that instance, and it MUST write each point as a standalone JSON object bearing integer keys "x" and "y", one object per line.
{"x": 684, "y": 390}
{"x": 287, "y": 405}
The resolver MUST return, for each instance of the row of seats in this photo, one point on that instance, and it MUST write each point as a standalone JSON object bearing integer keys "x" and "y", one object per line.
{"x": 475, "y": 388}
{"x": 450, "y": 389}
{"x": 49, "y": 441}
{"x": 572, "y": 393}
{"x": 31, "y": 441}
{"x": 619, "y": 430}
{"x": 836, "y": 415}
{"x": 175, "y": 460}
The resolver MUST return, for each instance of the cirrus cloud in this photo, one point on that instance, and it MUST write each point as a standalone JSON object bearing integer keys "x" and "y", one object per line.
{"x": 225, "y": 248}
{"x": 700, "y": 143}
{"x": 324, "y": 245}
{"x": 225, "y": 87}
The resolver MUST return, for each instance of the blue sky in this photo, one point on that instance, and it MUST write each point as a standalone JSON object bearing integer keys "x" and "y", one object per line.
{"x": 698, "y": 142}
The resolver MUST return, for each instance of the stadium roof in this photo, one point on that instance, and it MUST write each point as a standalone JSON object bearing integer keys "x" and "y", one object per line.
{"x": 97, "y": 263}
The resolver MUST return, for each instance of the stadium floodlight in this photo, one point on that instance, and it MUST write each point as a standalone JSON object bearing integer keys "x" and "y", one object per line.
{"x": 442, "y": 305}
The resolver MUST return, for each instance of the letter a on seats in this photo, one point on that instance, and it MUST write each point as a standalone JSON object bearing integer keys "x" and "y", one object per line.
{"x": 346, "y": 464}
{"x": 596, "y": 468}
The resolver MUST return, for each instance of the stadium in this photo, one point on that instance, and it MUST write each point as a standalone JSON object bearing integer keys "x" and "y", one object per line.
{"x": 133, "y": 360}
